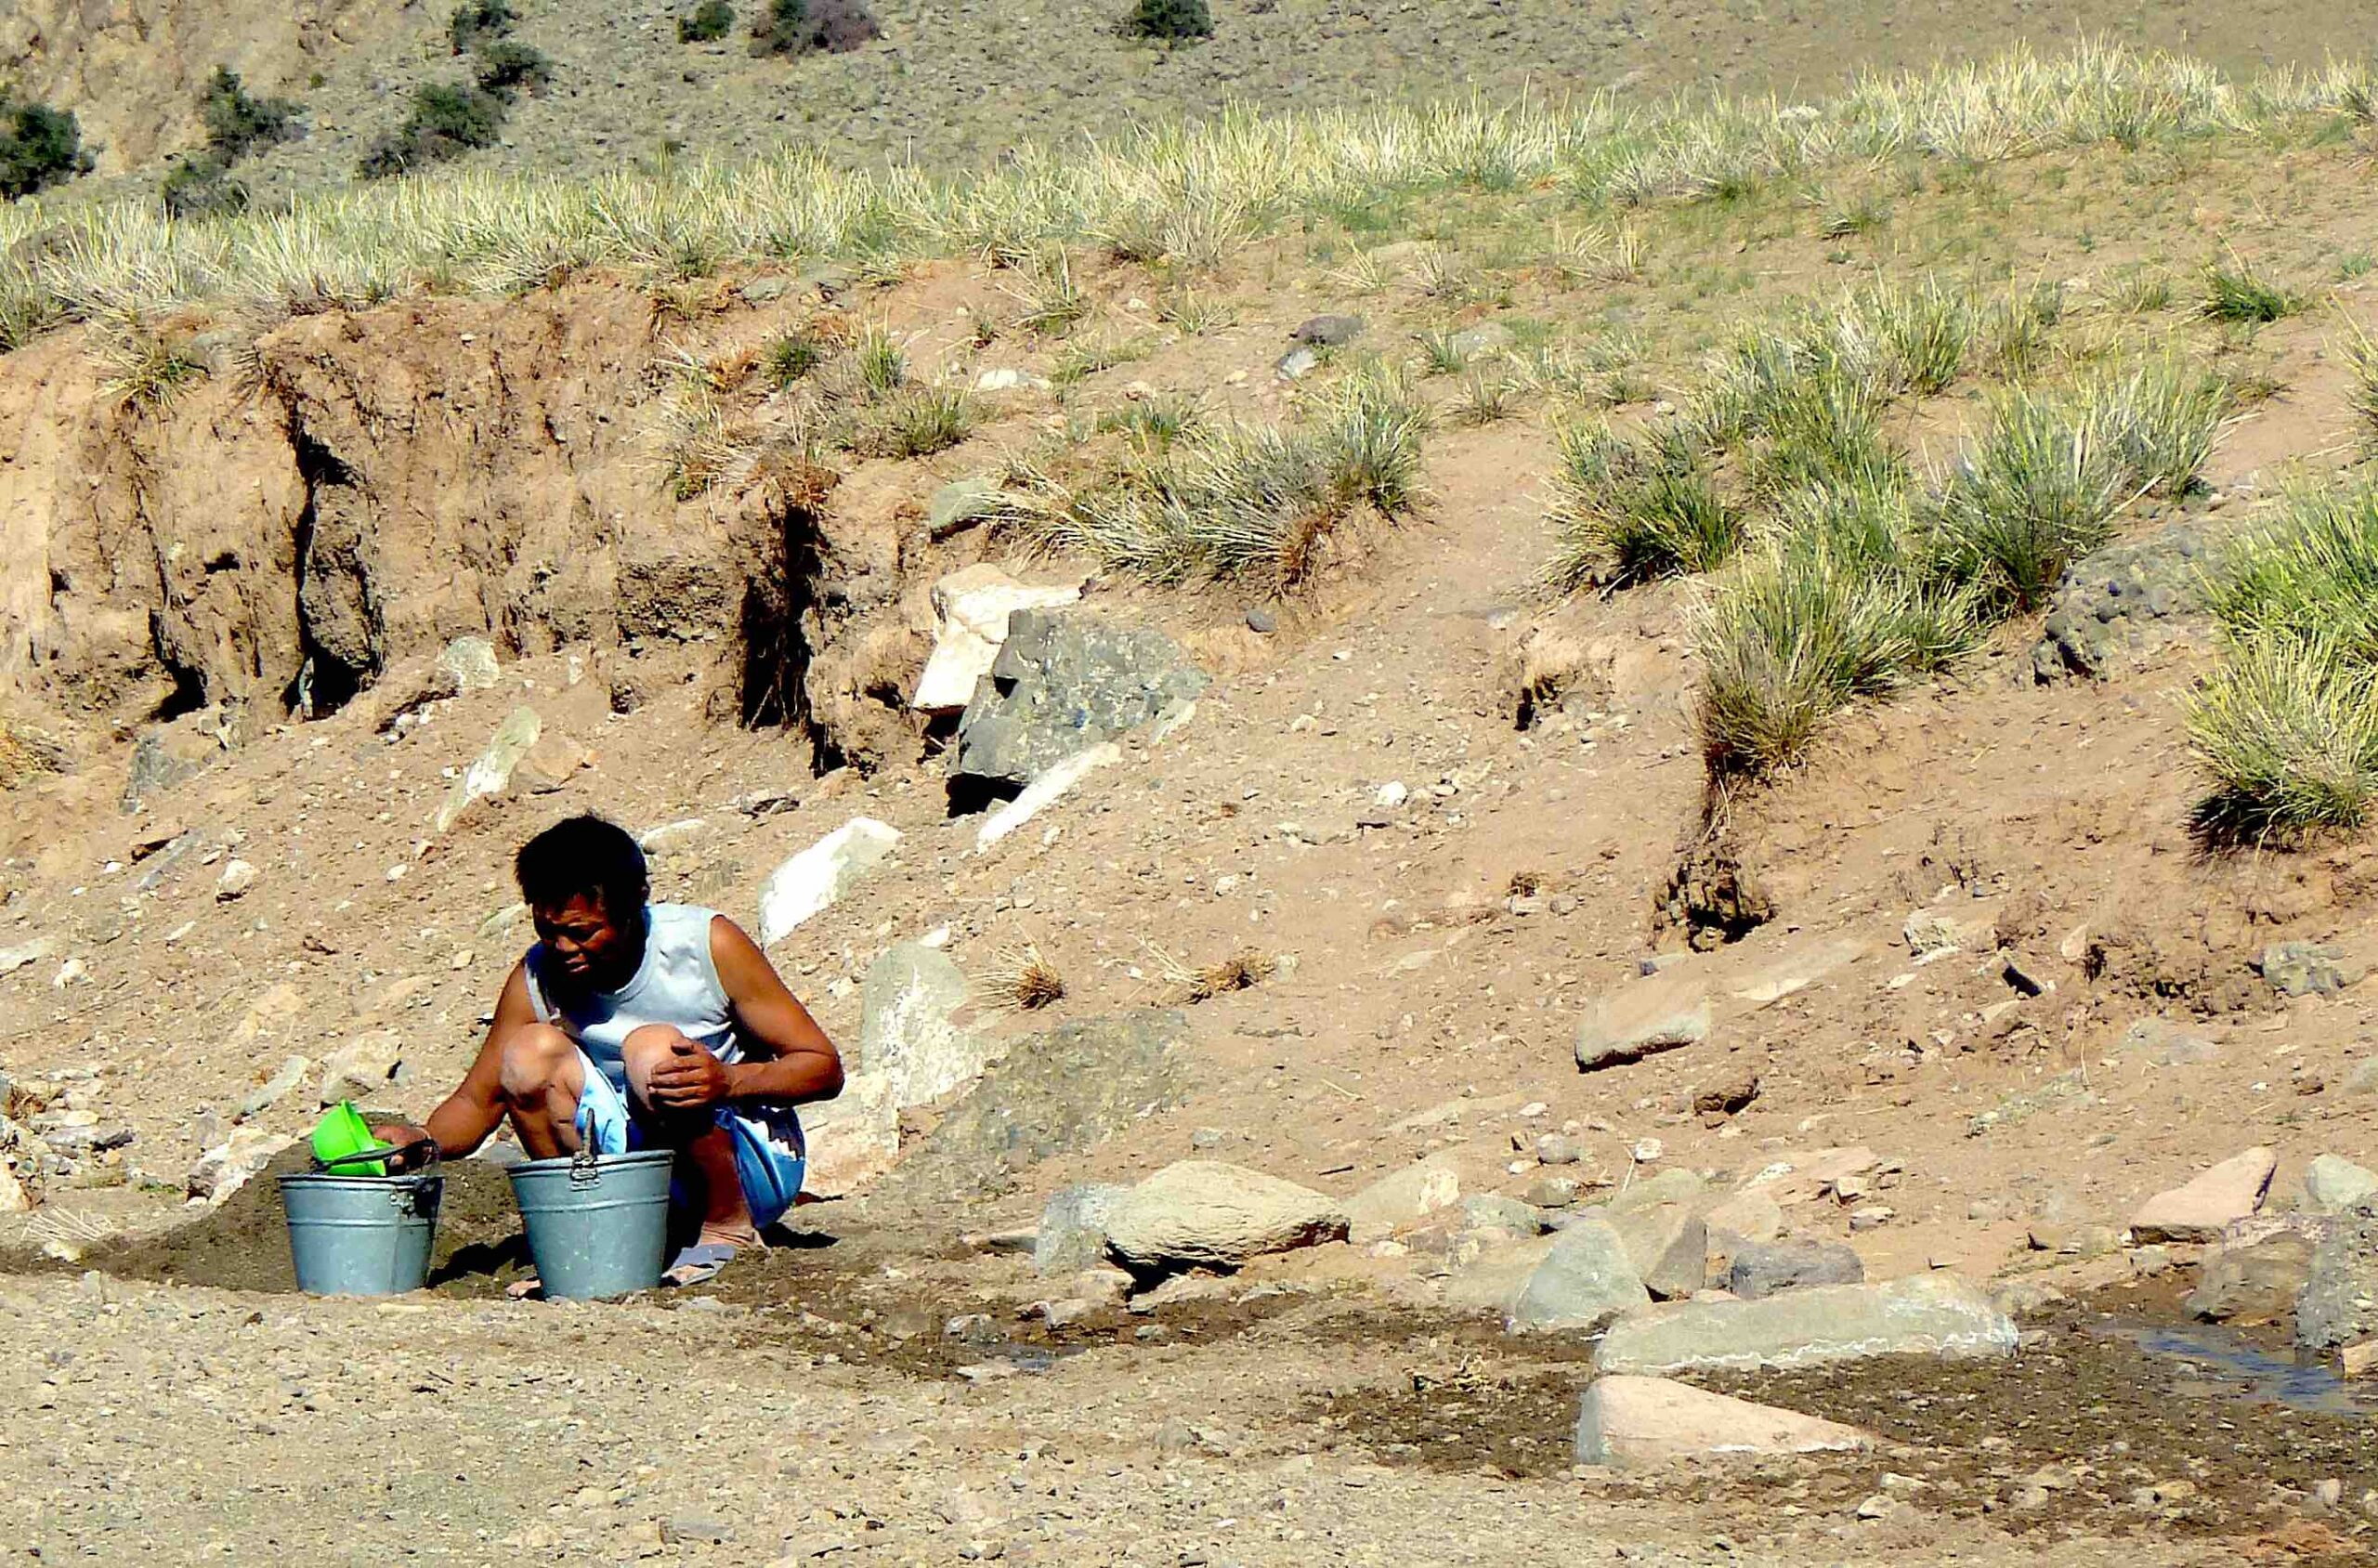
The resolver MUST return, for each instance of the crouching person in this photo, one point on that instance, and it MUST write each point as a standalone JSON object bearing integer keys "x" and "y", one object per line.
{"x": 632, "y": 1025}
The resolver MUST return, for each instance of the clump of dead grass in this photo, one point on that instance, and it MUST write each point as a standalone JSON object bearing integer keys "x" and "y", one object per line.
{"x": 1022, "y": 979}
{"x": 1242, "y": 970}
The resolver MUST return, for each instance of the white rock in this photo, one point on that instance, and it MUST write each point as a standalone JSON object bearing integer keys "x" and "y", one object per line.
{"x": 1201, "y": 1213}
{"x": 1043, "y": 791}
{"x": 228, "y": 1167}
{"x": 237, "y": 878}
{"x": 974, "y": 604}
{"x": 1636, "y": 1422}
{"x": 673, "y": 836}
{"x": 1401, "y": 1198}
{"x": 1005, "y": 378}
{"x": 490, "y": 772}
{"x": 363, "y": 1066}
{"x": 822, "y": 873}
{"x": 468, "y": 664}
{"x": 16, "y": 958}
{"x": 2333, "y": 1185}
{"x": 1392, "y": 794}
{"x": 12, "y": 1193}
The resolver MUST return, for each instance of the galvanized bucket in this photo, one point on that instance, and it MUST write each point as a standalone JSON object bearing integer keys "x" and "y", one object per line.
{"x": 598, "y": 1224}
{"x": 362, "y": 1235}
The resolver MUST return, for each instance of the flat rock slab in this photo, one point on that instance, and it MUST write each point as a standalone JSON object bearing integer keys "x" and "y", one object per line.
{"x": 1641, "y": 1021}
{"x": 1401, "y": 1198}
{"x": 2199, "y": 1211}
{"x": 1937, "y": 1315}
{"x": 1643, "y": 1421}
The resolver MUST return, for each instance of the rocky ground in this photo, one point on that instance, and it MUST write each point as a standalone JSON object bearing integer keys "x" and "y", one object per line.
{"x": 1418, "y": 1022}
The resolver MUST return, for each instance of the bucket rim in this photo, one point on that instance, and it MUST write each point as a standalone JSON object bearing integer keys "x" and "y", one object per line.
{"x": 373, "y": 1184}
{"x": 562, "y": 1164}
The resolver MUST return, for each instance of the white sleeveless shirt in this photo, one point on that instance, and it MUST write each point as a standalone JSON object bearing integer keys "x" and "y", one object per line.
{"x": 677, "y": 984}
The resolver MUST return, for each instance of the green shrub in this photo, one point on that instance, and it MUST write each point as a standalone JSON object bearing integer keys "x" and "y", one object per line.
{"x": 791, "y": 356}
{"x": 1170, "y": 20}
{"x": 1629, "y": 512}
{"x": 448, "y": 120}
{"x": 236, "y": 124}
{"x": 2236, "y": 292}
{"x": 201, "y": 186}
{"x": 2034, "y": 494}
{"x": 1796, "y": 632}
{"x": 507, "y": 66}
{"x": 795, "y": 27}
{"x": 917, "y": 424}
{"x": 711, "y": 21}
{"x": 39, "y": 147}
{"x": 477, "y": 23}
{"x": 2286, "y": 728}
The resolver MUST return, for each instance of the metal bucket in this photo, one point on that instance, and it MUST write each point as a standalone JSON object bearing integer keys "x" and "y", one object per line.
{"x": 362, "y": 1235}
{"x": 597, "y": 1225}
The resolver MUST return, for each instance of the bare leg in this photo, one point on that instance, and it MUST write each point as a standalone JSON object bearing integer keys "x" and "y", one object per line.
{"x": 717, "y": 1186}
{"x": 541, "y": 1086}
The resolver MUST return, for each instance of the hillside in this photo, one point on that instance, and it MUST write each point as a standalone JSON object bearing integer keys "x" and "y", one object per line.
{"x": 953, "y": 85}
{"x": 1769, "y": 572}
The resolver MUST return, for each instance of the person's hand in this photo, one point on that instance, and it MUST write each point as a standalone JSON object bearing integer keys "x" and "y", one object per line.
{"x": 691, "y": 1079}
{"x": 400, "y": 1135}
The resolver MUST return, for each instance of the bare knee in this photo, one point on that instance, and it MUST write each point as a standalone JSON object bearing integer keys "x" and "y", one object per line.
{"x": 645, "y": 1049}
{"x": 537, "y": 1058}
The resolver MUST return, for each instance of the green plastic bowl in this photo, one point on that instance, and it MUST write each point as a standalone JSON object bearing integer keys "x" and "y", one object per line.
{"x": 343, "y": 1134}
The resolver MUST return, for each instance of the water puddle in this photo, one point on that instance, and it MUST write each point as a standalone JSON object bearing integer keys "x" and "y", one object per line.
{"x": 2231, "y": 1367}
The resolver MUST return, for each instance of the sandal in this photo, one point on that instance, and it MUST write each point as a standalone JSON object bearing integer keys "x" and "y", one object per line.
{"x": 697, "y": 1264}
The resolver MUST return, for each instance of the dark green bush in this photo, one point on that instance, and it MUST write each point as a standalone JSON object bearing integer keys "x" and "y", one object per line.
{"x": 479, "y": 23}
{"x": 448, "y": 120}
{"x": 39, "y": 147}
{"x": 1170, "y": 20}
{"x": 711, "y": 21}
{"x": 507, "y": 65}
{"x": 236, "y": 122}
{"x": 795, "y": 27}
{"x": 202, "y": 186}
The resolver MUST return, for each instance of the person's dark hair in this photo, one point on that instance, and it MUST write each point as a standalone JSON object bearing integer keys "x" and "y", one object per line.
{"x": 583, "y": 855}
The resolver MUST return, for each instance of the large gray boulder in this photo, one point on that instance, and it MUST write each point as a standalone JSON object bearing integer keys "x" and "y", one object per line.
{"x": 1583, "y": 1281}
{"x": 1931, "y": 1315}
{"x": 1207, "y": 1213}
{"x": 1064, "y": 681}
{"x": 2339, "y": 1305}
{"x": 1667, "y": 1243}
{"x": 1062, "y": 1091}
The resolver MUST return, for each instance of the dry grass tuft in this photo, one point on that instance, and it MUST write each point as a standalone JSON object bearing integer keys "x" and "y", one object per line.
{"x": 1241, "y": 972}
{"x": 1022, "y": 979}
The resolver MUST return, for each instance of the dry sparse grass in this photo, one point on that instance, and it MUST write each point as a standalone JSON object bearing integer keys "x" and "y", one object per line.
{"x": 1190, "y": 196}
{"x": 1022, "y": 979}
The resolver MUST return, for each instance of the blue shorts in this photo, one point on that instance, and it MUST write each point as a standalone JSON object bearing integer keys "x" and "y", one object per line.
{"x": 770, "y": 1154}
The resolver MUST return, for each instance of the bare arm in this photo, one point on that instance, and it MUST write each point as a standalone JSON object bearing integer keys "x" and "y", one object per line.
{"x": 792, "y": 1059}
{"x": 463, "y": 1119}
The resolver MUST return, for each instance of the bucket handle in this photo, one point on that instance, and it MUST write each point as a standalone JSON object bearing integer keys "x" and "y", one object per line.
{"x": 406, "y": 1156}
{"x": 584, "y": 1171}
